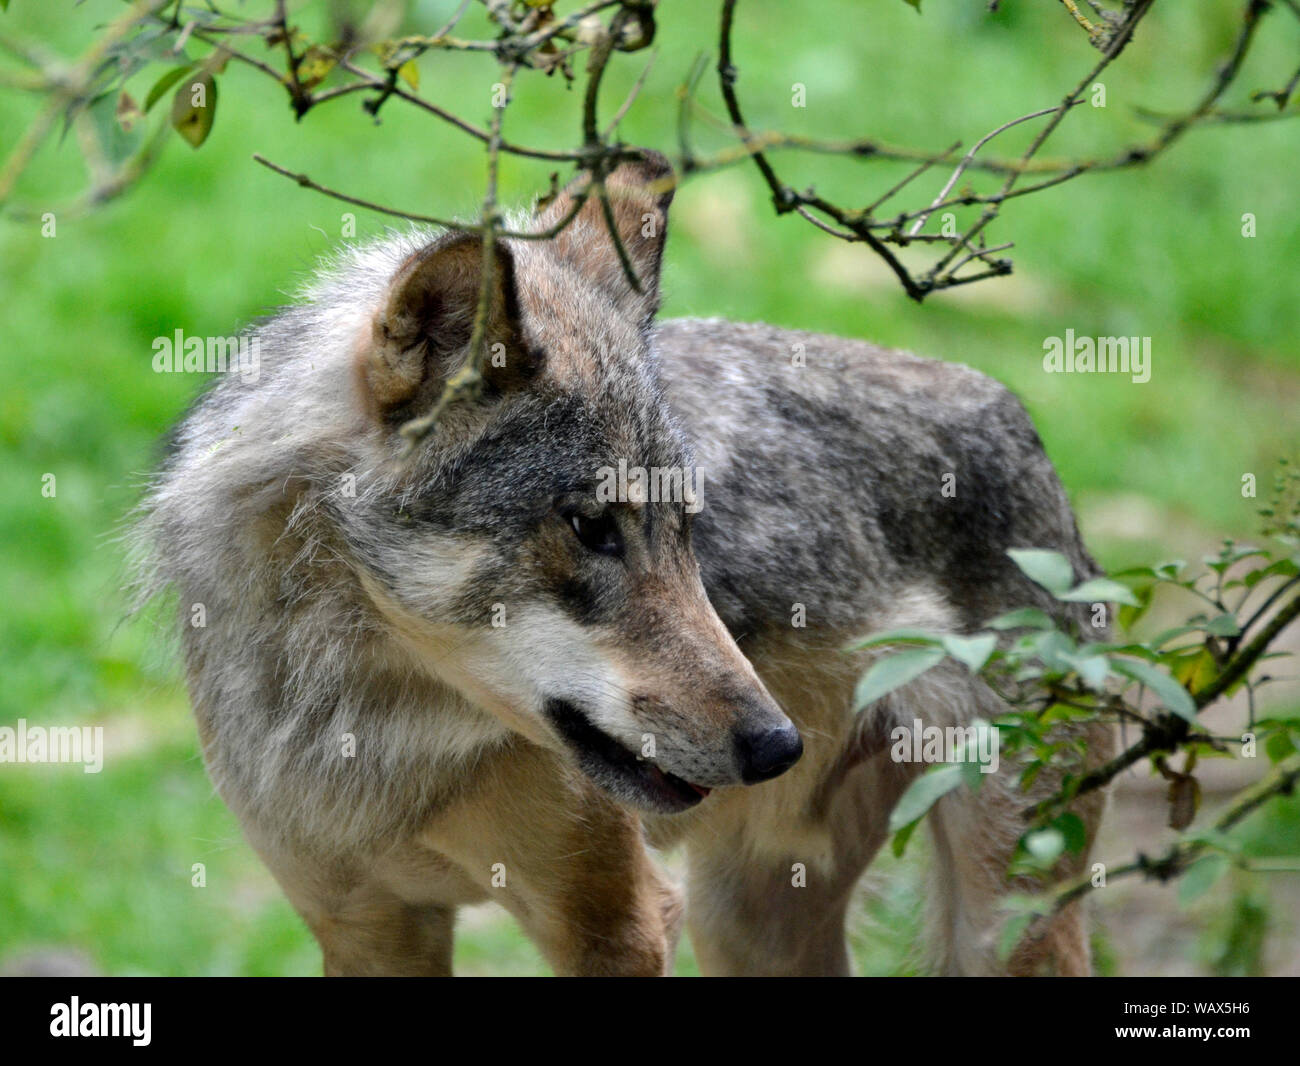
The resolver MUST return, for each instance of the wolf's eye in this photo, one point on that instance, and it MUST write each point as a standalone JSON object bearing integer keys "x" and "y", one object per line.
{"x": 599, "y": 534}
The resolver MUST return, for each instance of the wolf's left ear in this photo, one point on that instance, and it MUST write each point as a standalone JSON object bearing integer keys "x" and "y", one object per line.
{"x": 639, "y": 194}
{"x": 422, "y": 332}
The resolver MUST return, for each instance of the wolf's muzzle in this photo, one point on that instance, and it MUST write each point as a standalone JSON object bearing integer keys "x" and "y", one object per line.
{"x": 618, "y": 769}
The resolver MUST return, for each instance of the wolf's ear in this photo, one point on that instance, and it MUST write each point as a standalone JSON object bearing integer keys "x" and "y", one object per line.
{"x": 639, "y": 194}
{"x": 422, "y": 332}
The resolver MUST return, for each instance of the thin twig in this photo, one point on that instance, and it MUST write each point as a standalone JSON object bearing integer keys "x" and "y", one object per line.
{"x": 468, "y": 380}
{"x": 969, "y": 158}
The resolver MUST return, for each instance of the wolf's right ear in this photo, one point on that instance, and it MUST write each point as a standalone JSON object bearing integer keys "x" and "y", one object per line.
{"x": 639, "y": 193}
{"x": 421, "y": 334}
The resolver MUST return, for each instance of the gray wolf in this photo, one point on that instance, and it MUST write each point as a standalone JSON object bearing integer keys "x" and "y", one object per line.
{"x": 426, "y": 683}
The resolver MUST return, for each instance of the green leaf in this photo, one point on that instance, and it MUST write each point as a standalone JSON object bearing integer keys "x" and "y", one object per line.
{"x": 1060, "y": 712}
{"x": 1012, "y": 931}
{"x": 890, "y": 673}
{"x": 896, "y": 636}
{"x": 1057, "y": 651}
{"x": 1094, "y": 669}
{"x": 924, "y": 793}
{"x": 1223, "y": 625}
{"x": 1137, "y": 572}
{"x": 1214, "y": 838}
{"x": 1073, "y": 831}
{"x": 1281, "y": 568}
{"x": 1025, "y": 618}
{"x": 1174, "y": 697}
{"x": 973, "y": 651}
{"x": 116, "y": 118}
{"x": 194, "y": 108}
{"x": 1279, "y": 746}
{"x": 972, "y": 773}
{"x": 1045, "y": 845}
{"x": 1200, "y": 877}
{"x": 1101, "y": 590}
{"x": 163, "y": 84}
{"x": 1130, "y": 616}
{"x": 1230, "y": 555}
{"x": 1050, "y": 569}
{"x": 1164, "y": 637}
{"x": 899, "y": 843}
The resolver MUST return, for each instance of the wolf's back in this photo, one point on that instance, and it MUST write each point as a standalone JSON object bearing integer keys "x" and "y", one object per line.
{"x": 837, "y": 472}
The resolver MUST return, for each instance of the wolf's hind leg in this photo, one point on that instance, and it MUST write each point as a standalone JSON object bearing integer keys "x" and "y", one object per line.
{"x": 975, "y": 837}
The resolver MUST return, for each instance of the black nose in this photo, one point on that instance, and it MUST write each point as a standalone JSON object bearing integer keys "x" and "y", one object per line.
{"x": 768, "y": 751}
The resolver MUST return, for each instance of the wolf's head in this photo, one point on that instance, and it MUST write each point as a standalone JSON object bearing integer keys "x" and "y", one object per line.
{"x": 538, "y": 549}
{"x": 534, "y": 553}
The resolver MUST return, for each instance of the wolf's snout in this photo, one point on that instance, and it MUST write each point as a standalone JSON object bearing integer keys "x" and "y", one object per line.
{"x": 767, "y": 751}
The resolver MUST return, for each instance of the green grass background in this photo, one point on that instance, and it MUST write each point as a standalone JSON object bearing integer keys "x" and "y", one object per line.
{"x": 210, "y": 240}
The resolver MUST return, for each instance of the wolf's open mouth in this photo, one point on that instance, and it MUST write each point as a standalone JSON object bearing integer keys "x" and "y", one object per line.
{"x": 619, "y": 770}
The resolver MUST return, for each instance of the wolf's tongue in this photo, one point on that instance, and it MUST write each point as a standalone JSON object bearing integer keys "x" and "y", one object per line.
{"x": 662, "y": 775}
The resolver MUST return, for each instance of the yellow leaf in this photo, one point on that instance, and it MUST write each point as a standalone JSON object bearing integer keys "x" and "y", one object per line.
{"x": 313, "y": 67}
{"x": 1196, "y": 671}
{"x": 194, "y": 108}
{"x": 410, "y": 74}
{"x": 128, "y": 112}
{"x": 1184, "y": 799}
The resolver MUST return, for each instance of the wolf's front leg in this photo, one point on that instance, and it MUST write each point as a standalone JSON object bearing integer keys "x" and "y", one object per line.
{"x": 367, "y": 922}
{"x": 772, "y": 874}
{"x": 566, "y": 861}
{"x": 384, "y": 937}
{"x": 747, "y": 918}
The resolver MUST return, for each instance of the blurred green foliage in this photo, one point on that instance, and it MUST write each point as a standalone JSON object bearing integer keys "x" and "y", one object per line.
{"x": 210, "y": 240}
